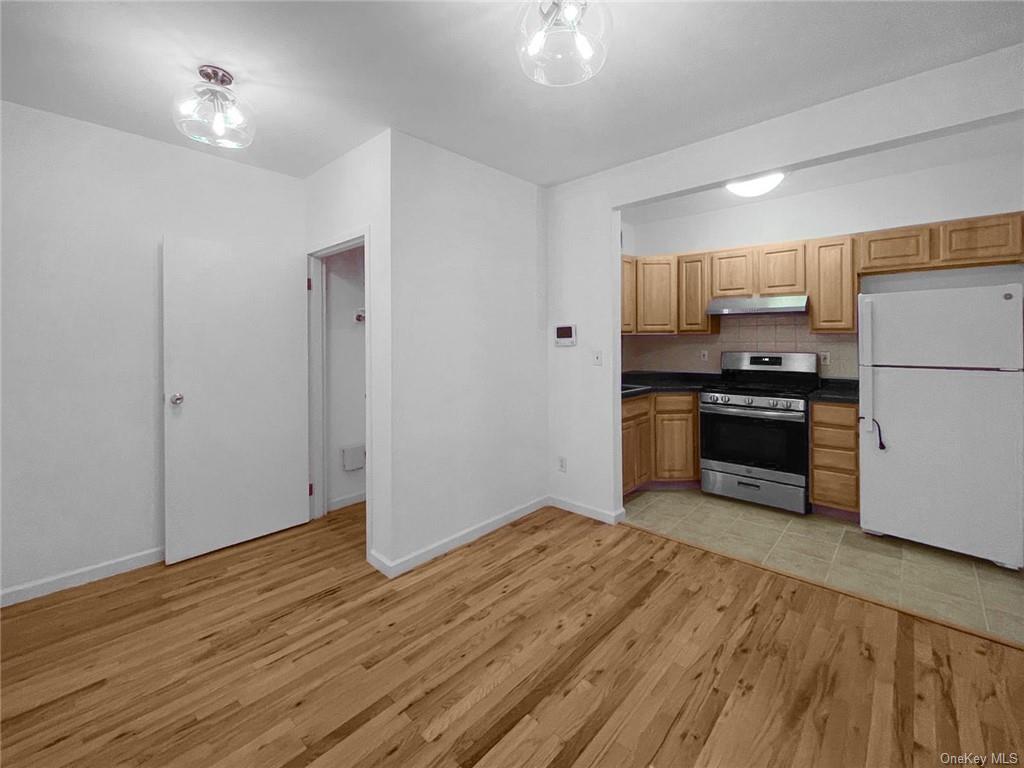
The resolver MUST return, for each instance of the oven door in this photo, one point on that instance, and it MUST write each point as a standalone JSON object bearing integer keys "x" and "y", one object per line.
{"x": 770, "y": 445}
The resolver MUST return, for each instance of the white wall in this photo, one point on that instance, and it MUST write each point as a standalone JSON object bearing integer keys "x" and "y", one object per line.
{"x": 583, "y": 234}
{"x": 469, "y": 403}
{"x": 980, "y": 185}
{"x": 348, "y": 198}
{"x": 84, "y": 210}
{"x": 346, "y": 375}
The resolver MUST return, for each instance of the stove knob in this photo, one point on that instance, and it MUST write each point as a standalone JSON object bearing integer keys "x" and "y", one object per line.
{"x": 787, "y": 404}
{"x": 748, "y": 400}
{"x": 725, "y": 398}
{"x": 773, "y": 403}
{"x": 713, "y": 398}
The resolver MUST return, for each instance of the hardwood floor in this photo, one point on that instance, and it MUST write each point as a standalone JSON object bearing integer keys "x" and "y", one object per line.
{"x": 555, "y": 641}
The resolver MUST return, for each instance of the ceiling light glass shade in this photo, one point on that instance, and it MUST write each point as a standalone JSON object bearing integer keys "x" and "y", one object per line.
{"x": 562, "y": 42}
{"x": 755, "y": 187}
{"x": 211, "y": 113}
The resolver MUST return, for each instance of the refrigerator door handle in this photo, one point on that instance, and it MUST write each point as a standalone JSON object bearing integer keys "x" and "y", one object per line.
{"x": 867, "y": 399}
{"x": 865, "y": 336}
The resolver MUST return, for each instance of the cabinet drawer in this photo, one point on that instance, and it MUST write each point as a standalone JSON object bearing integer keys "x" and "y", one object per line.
{"x": 831, "y": 437}
{"x": 636, "y": 406}
{"x": 832, "y": 458}
{"x": 834, "y": 415}
{"x": 673, "y": 403}
{"x": 834, "y": 489}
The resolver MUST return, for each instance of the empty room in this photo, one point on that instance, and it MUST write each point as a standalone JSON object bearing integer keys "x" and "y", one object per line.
{"x": 511, "y": 384}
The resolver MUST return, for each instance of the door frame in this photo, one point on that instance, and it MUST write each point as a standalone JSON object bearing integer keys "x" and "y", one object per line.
{"x": 318, "y": 442}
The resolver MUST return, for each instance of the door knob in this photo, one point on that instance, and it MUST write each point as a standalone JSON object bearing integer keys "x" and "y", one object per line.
{"x": 177, "y": 398}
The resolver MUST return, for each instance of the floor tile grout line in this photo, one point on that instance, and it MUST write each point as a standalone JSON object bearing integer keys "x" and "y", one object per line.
{"x": 835, "y": 555}
{"x": 781, "y": 534}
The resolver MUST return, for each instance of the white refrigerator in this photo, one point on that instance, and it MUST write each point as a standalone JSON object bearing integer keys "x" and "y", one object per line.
{"x": 942, "y": 418}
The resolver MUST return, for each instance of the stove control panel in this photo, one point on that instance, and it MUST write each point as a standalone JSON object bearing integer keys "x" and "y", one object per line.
{"x": 751, "y": 401}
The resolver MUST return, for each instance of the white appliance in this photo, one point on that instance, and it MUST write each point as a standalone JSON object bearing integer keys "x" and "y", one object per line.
{"x": 942, "y": 418}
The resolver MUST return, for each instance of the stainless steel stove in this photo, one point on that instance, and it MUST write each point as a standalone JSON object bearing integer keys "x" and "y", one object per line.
{"x": 754, "y": 428}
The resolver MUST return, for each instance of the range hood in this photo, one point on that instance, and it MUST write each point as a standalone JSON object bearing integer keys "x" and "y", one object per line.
{"x": 759, "y": 305}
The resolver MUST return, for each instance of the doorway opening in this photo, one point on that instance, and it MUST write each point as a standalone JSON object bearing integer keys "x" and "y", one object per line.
{"x": 338, "y": 360}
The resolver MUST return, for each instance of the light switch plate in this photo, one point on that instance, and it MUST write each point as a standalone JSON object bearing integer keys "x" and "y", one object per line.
{"x": 597, "y": 357}
{"x": 826, "y": 358}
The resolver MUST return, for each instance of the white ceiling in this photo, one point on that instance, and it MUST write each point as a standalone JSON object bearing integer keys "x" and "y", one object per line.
{"x": 325, "y": 77}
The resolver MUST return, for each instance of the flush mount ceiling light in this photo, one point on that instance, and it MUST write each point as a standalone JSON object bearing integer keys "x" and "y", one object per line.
{"x": 211, "y": 113}
{"x": 762, "y": 185}
{"x": 563, "y": 42}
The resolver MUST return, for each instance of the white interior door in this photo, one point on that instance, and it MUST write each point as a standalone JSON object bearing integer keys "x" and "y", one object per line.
{"x": 235, "y": 448}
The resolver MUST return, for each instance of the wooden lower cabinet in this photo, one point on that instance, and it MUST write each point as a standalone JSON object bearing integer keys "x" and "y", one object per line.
{"x": 675, "y": 437}
{"x": 673, "y": 446}
{"x": 637, "y": 443}
{"x": 659, "y": 439}
{"x": 835, "y": 476}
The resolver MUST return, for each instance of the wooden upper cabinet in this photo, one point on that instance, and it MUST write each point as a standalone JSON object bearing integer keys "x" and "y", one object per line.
{"x": 831, "y": 288}
{"x": 782, "y": 269}
{"x": 990, "y": 238}
{"x": 628, "y": 294}
{"x": 732, "y": 273}
{"x": 694, "y": 294}
{"x": 656, "y": 294}
{"x": 894, "y": 249}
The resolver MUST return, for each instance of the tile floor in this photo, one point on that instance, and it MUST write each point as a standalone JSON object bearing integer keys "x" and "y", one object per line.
{"x": 932, "y": 582}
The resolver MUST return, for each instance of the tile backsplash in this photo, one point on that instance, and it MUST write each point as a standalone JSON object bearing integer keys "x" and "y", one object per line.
{"x": 756, "y": 333}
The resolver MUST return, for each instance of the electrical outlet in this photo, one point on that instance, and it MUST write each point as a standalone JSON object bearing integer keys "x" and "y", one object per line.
{"x": 826, "y": 358}
{"x": 704, "y": 355}
{"x": 596, "y": 357}
{"x": 562, "y": 464}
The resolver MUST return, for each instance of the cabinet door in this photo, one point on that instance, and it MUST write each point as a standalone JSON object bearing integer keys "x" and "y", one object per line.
{"x": 656, "y": 297}
{"x": 628, "y": 294}
{"x": 629, "y": 456}
{"x": 645, "y": 447}
{"x": 781, "y": 269}
{"x": 674, "y": 446}
{"x": 694, "y": 294}
{"x": 893, "y": 249}
{"x": 831, "y": 286}
{"x": 992, "y": 238}
{"x": 732, "y": 273}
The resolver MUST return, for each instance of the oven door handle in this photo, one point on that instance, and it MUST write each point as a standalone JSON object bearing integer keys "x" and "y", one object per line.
{"x": 753, "y": 413}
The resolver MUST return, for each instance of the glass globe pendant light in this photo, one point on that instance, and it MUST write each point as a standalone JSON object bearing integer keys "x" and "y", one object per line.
{"x": 211, "y": 113}
{"x": 563, "y": 42}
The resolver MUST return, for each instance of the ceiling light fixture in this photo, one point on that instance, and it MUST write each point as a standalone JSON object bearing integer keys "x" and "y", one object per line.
{"x": 563, "y": 42}
{"x": 211, "y": 113}
{"x": 762, "y": 185}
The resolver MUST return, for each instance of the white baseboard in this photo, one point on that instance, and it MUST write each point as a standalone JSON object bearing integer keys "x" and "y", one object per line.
{"x": 604, "y": 516}
{"x": 392, "y": 568}
{"x": 344, "y": 501}
{"x": 39, "y": 587}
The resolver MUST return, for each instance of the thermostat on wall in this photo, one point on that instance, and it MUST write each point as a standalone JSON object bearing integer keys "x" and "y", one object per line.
{"x": 565, "y": 335}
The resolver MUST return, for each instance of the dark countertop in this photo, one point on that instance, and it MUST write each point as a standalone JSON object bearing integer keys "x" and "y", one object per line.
{"x": 837, "y": 391}
{"x": 666, "y": 381}
{"x": 832, "y": 390}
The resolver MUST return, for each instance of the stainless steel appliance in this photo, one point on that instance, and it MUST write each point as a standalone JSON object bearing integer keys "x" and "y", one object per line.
{"x": 754, "y": 428}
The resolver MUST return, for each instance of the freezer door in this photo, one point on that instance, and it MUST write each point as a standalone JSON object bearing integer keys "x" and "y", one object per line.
{"x": 944, "y": 328}
{"x": 952, "y": 471}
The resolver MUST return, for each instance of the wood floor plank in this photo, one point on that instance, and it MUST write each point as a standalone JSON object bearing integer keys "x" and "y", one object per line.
{"x": 555, "y": 641}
